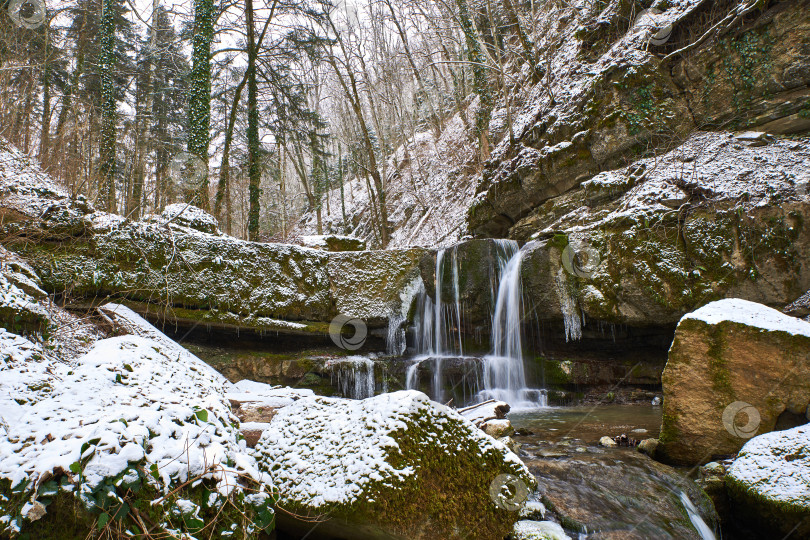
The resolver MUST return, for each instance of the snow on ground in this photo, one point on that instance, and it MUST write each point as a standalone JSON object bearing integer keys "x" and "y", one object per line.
{"x": 131, "y": 403}
{"x": 128, "y": 399}
{"x": 750, "y": 314}
{"x": 428, "y": 188}
{"x": 264, "y": 395}
{"x": 776, "y": 466}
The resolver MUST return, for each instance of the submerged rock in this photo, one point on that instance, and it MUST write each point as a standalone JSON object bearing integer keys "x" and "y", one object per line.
{"x": 393, "y": 466}
{"x": 769, "y": 482}
{"x": 607, "y": 442}
{"x": 735, "y": 368}
{"x": 622, "y": 495}
{"x": 648, "y": 446}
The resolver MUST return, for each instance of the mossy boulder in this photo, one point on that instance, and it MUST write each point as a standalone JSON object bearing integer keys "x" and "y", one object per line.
{"x": 187, "y": 215}
{"x": 769, "y": 483}
{"x": 734, "y": 368}
{"x": 179, "y": 266}
{"x": 333, "y": 242}
{"x": 393, "y": 466}
{"x": 372, "y": 285}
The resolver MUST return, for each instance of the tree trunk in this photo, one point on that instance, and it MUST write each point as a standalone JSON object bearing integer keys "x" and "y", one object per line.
{"x": 254, "y": 171}
{"x": 199, "y": 110}
{"x": 107, "y": 145}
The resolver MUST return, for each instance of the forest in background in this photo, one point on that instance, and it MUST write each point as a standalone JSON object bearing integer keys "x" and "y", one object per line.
{"x": 252, "y": 109}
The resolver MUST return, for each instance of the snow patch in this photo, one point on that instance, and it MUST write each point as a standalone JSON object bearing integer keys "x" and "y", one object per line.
{"x": 750, "y": 314}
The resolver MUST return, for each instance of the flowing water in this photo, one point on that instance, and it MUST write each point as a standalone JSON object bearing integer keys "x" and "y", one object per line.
{"x": 609, "y": 492}
{"x": 353, "y": 376}
{"x": 439, "y": 332}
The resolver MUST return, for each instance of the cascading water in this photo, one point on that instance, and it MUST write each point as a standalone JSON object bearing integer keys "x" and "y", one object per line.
{"x": 504, "y": 377}
{"x": 438, "y": 324}
{"x": 439, "y": 332}
{"x": 354, "y": 376}
{"x": 395, "y": 337}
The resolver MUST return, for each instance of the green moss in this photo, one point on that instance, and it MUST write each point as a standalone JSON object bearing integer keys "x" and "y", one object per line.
{"x": 669, "y": 428}
{"x": 557, "y": 374}
{"x": 438, "y": 504}
{"x": 110, "y": 511}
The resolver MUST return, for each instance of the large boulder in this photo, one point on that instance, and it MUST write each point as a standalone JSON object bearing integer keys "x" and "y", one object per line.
{"x": 735, "y": 369}
{"x": 769, "y": 482}
{"x": 393, "y": 466}
{"x": 136, "y": 426}
{"x": 623, "y": 495}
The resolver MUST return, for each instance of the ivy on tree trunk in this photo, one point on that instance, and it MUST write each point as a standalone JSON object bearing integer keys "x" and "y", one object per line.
{"x": 107, "y": 168}
{"x": 199, "y": 107}
{"x": 254, "y": 171}
{"x": 480, "y": 83}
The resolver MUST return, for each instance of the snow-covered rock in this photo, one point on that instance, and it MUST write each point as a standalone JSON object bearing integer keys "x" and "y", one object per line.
{"x": 734, "y": 367}
{"x": 197, "y": 273}
{"x": 20, "y": 291}
{"x": 538, "y": 530}
{"x": 187, "y": 215}
{"x": 770, "y": 481}
{"x": 373, "y": 467}
{"x": 134, "y": 414}
{"x": 333, "y": 242}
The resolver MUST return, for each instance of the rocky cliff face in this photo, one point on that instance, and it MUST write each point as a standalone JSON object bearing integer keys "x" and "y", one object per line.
{"x": 625, "y": 87}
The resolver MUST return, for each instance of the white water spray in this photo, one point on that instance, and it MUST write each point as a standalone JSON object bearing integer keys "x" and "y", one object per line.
{"x": 504, "y": 376}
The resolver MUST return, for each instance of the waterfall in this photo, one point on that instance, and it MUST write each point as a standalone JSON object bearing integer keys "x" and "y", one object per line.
{"x": 395, "y": 337}
{"x": 457, "y": 301}
{"x": 412, "y": 376}
{"x": 438, "y": 322}
{"x": 504, "y": 377}
{"x": 354, "y": 376}
{"x": 705, "y": 532}
{"x": 439, "y": 330}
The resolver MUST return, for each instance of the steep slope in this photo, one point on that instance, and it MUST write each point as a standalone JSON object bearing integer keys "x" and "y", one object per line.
{"x": 623, "y": 80}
